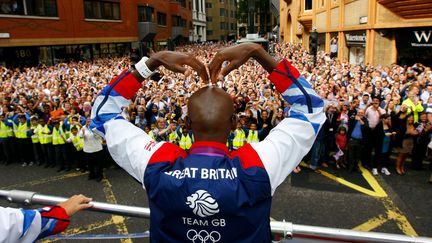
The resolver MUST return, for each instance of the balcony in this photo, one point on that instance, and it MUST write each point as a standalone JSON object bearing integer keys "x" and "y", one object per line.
{"x": 409, "y": 9}
{"x": 176, "y": 32}
{"x": 146, "y": 31}
{"x": 306, "y": 20}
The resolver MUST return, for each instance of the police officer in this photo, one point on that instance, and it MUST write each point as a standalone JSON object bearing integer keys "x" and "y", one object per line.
{"x": 45, "y": 140}
{"x": 6, "y": 138}
{"x": 211, "y": 194}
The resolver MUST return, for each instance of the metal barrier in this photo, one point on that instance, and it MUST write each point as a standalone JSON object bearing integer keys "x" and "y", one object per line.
{"x": 288, "y": 231}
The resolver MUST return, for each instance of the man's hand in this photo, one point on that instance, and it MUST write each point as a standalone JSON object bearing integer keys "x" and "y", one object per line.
{"x": 174, "y": 61}
{"x": 75, "y": 204}
{"x": 237, "y": 56}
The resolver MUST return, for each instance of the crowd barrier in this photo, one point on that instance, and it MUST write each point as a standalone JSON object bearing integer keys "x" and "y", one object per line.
{"x": 285, "y": 231}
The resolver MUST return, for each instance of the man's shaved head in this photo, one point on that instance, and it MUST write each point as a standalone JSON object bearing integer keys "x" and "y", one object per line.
{"x": 210, "y": 111}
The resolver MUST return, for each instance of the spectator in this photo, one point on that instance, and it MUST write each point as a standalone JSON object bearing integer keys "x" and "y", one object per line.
{"x": 358, "y": 129}
{"x": 407, "y": 132}
{"x": 93, "y": 152}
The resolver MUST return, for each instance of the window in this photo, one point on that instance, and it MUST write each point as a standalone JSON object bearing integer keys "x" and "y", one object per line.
{"x": 222, "y": 12}
{"x": 209, "y": 19}
{"x": 209, "y": 5}
{"x": 222, "y": 25}
{"x": 209, "y": 32}
{"x": 221, "y": 1}
{"x": 308, "y": 5}
{"x": 97, "y": 9}
{"x": 233, "y": 26}
{"x": 182, "y": 2}
{"x": 161, "y": 19}
{"x": 177, "y": 21}
{"x": 46, "y": 8}
{"x": 145, "y": 14}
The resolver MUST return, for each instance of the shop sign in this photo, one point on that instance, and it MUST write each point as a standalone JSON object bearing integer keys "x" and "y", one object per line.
{"x": 355, "y": 38}
{"x": 422, "y": 38}
{"x": 414, "y": 38}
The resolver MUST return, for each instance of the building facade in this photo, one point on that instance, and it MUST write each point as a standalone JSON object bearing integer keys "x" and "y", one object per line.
{"x": 221, "y": 20}
{"x": 365, "y": 31}
{"x": 257, "y": 16}
{"x": 52, "y": 31}
{"x": 199, "y": 21}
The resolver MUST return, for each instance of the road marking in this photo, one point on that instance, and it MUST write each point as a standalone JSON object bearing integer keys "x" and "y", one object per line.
{"x": 119, "y": 221}
{"x": 392, "y": 211}
{"x": 45, "y": 180}
{"x": 349, "y": 184}
{"x": 372, "y": 223}
{"x": 84, "y": 229}
{"x": 372, "y": 182}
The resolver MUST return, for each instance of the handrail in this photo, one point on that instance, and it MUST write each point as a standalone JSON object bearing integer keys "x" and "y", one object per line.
{"x": 286, "y": 229}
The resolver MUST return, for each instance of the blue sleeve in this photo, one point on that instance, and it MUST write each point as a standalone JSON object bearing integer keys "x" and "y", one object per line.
{"x": 66, "y": 124}
{"x": 178, "y": 131}
{"x": 15, "y": 119}
{"x": 83, "y": 120}
{"x": 8, "y": 122}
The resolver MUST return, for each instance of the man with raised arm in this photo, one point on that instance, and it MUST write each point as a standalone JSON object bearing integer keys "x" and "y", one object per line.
{"x": 210, "y": 194}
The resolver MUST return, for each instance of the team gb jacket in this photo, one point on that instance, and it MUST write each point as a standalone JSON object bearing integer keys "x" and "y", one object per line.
{"x": 211, "y": 194}
{"x": 26, "y": 226}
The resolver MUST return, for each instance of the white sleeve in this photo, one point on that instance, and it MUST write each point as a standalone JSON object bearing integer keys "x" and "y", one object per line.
{"x": 130, "y": 146}
{"x": 285, "y": 146}
{"x": 16, "y": 227}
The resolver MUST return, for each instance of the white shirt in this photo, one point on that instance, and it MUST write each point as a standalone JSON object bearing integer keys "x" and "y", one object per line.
{"x": 92, "y": 142}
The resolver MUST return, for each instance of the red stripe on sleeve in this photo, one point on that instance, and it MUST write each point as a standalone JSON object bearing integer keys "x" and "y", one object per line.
{"x": 128, "y": 85}
{"x": 248, "y": 157}
{"x": 168, "y": 152}
{"x": 281, "y": 81}
{"x": 59, "y": 214}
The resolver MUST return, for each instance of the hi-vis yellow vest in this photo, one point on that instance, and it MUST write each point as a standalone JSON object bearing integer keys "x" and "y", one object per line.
{"x": 35, "y": 136}
{"x": 252, "y": 137}
{"x": 44, "y": 136}
{"x": 21, "y": 130}
{"x": 5, "y": 130}
{"x": 151, "y": 135}
{"x": 173, "y": 137}
{"x": 56, "y": 136}
{"x": 77, "y": 141}
{"x": 239, "y": 138}
{"x": 185, "y": 142}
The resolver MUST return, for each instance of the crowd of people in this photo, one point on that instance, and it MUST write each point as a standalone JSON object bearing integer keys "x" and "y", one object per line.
{"x": 372, "y": 111}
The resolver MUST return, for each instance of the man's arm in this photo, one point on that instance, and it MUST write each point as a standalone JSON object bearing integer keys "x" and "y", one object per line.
{"x": 129, "y": 145}
{"x": 288, "y": 142}
{"x": 292, "y": 138}
{"x": 20, "y": 225}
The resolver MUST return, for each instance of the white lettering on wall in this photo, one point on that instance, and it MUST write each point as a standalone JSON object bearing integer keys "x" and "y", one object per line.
{"x": 423, "y": 35}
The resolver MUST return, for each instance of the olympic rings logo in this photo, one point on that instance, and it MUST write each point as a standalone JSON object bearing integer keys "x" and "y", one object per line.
{"x": 203, "y": 236}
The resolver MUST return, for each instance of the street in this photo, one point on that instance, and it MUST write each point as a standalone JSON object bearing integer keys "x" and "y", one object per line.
{"x": 327, "y": 197}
